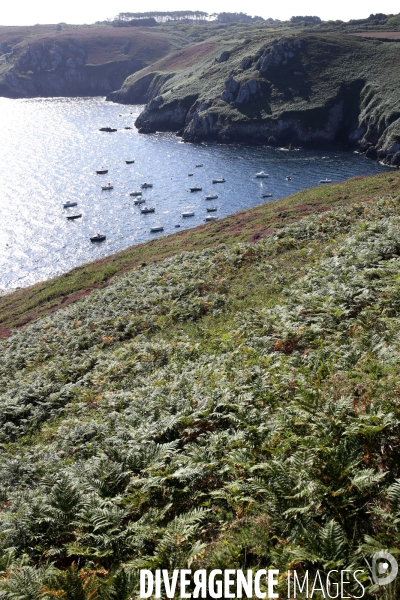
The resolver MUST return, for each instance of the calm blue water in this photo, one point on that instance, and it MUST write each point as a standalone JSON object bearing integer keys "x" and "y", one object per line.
{"x": 50, "y": 149}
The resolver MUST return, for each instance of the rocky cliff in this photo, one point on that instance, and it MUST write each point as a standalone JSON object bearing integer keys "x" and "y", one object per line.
{"x": 76, "y": 62}
{"x": 309, "y": 90}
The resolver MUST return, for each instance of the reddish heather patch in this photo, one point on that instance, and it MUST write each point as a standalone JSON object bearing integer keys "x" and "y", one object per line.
{"x": 260, "y": 234}
{"x": 303, "y": 207}
{"x": 4, "y": 332}
{"x": 182, "y": 59}
{"x": 74, "y": 297}
{"x": 281, "y": 208}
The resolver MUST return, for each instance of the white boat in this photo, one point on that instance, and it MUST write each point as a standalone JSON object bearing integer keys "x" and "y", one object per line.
{"x": 139, "y": 201}
{"x": 288, "y": 178}
{"x": 200, "y": 165}
{"x": 69, "y": 204}
{"x": 189, "y": 213}
{"x": 195, "y": 189}
{"x": 211, "y": 208}
{"x": 135, "y": 193}
{"x": 146, "y": 185}
{"x": 211, "y": 196}
{"x": 107, "y": 187}
{"x": 156, "y": 228}
{"x": 261, "y": 175}
{"x": 147, "y": 209}
{"x": 325, "y": 180}
{"x": 210, "y": 218}
{"x": 219, "y": 180}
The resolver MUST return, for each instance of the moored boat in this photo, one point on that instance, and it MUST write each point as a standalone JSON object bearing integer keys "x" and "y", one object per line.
{"x": 147, "y": 209}
{"x": 72, "y": 217}
{"x": 325, "y": 180}
{"x": 210, "y": 218}
{"x": 69, "y": 204}
{"x": 101, "y": 171}
{"x": 200, "y": 165}
{"x": 211, "y": 196}
{"x": 146, "y": 185}
{"x": 139, "y": 201}
{"x": 156, "y": 228}
{"x": 195, "y": 189}
{"x": 188, "y": 213}
{"x": 268, "y": 195}
{"x": 129, "y": 162}
{"x": 261, "y": 175}
{"x": 219, "y": 180}
{"x": 211, "y": 208}
{"x": 135, "y": 193}
{"x": 107, "y": 187}
{"x": 98, "y": 238}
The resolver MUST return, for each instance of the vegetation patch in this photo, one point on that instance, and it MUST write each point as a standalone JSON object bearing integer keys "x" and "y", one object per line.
{"x": 234, "y": 406}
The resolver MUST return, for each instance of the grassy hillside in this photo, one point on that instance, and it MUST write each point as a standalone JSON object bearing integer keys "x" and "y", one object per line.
{"x": 307, "y": 86}
{"x": 27, "y": 304}
{"x": 68, "y": 60}
{"x": 234, "y": 406}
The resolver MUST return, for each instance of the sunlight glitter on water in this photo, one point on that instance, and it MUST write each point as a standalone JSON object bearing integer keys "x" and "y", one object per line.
{"x": 52, "y": 147}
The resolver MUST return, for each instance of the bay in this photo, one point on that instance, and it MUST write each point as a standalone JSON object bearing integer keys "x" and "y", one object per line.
{"x": 50, "y": 150}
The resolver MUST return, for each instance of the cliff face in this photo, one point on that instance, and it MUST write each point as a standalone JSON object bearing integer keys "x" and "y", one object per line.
{"x": 83, "y": 62}
{"x": 302, "y": 90}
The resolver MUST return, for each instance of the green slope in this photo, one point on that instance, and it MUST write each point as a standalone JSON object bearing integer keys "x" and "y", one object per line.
{"x": 233, "y": 407}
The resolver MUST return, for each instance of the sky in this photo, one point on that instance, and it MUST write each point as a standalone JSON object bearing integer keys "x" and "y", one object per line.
{"x": 30, "y": 12}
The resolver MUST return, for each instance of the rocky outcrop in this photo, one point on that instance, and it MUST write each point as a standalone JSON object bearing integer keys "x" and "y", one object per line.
{"x": 158, "y": 116}
{"x": 278, "y": 53}
{"x": 141, "y": 90}
{"x": 49, "y": 69}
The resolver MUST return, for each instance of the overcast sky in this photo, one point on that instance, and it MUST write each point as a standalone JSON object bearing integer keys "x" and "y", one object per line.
{"x": 29, "y": 12}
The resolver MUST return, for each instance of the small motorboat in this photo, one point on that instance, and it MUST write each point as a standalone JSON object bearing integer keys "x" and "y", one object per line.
{"x": 101, "y": 171}
{"x": 211, "y": 208}
{"x": 139, "y": 201}
{"x": 267, "y": 195}
{"x": 288, "y": 178}
{"x": 129, "y": 162}
{"x": 325, "y": 180}
{"x": 219, "y": 180}
{"x": 135, "y": 193}
{"x": 177, "y": 225}
{"x": 199, "y": 165}
{"x": 210, "y": 218}
{"x": 189, "y": 213}
{"x": 211, "y": 196}
{"x": 156, "y": 228}
{"x": 146, "y": 185}
{"x": 107, "y": 129}
{"x": 98, "y": 238}
{"x": 190, "y": 175}
{"x": 147, "y": 209}
{"x": 195, "y": 189}
{"x": 261, "y": 175}
{"x": 107, "y": 187}
{"x": 72, "y": 217}
{"x": 70, "y": 204}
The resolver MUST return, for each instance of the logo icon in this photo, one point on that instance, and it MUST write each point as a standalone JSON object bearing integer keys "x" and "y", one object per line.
{"x": 381, "y": 574}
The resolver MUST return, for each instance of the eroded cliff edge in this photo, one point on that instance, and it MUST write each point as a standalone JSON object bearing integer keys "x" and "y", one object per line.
{"x": 314, "y": 90}
{"x": 74, "y": 61}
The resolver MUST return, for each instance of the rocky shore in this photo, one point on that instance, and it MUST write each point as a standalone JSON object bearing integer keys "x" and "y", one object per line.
{"x": 276, "y": 96}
